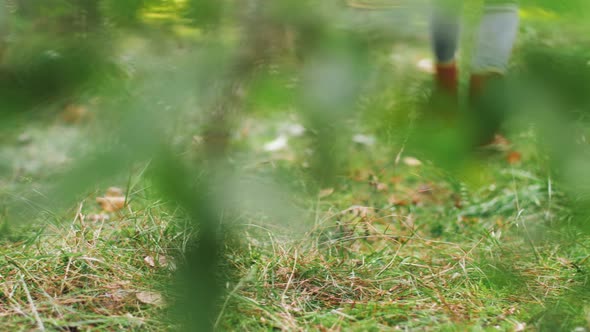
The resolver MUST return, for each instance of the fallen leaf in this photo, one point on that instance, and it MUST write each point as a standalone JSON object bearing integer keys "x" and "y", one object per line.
{"x": 24, "y": 139}
{"x": 74, "y": 113}
{"x": 510, "y": 311}
{"x": 98, "y": 217}
{"x": 424, "y": 189}
{"x": 426, "y": 65}
{"x": 498, "y": 144}
{"x": 361, "y": 175}
{"x": 380, "y": 187}
{"x": 519, "y": 327}
{"x": 359, "y": 211}
{"x": 469, "y": 221}
{"x": 150, "y": 298}
{"x": 293, "y": 129}
{"x": 412, "y": 162}
{"x": 416, "y": 199}
{"x": 163, "y": 260}
{"x": 118, "y": 284}
{"x": 278, "y": 144}
{"x": 149, "y": 260}
{"x": 393, "y": 199}
{"x": 565, "y": 262}
{"x": 396, "y": 179}
{"x": 111, "y": 204}
{"x": 514, "y": 157}
{"x": 198, "y": 140}
{"x": 113, "y": 200}
{"x": 245, "y": 131}
{"x": 500, "y": 140}
{"x": 408, "y": 222}
{"x": 114, "y": 192}
{"x": 326, "y": 192}
{"x": 458, "y": 201}
{"x": 364, "y": 139}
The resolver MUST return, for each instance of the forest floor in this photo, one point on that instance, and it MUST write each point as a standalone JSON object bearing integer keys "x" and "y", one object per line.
{"x": 399, "y": 243}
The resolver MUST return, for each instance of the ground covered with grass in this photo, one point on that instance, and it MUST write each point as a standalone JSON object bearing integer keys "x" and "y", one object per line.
{"x": 398, "y": 241}
{"x": 396, "y": 244}
{"x": 401, "y": 244}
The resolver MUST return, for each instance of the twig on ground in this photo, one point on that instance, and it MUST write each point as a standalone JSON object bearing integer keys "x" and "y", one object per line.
{"x": 32, "y": 304}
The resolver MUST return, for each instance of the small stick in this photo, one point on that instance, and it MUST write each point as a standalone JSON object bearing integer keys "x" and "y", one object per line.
{"x": 32, "y": 304}
{"x": 290, "y": 278}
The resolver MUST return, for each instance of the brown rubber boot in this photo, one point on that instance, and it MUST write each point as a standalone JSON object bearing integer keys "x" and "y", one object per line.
{"x": 487, "y": 101}
{"x": 447, "y": 78}
{"x": 444, "y": 101}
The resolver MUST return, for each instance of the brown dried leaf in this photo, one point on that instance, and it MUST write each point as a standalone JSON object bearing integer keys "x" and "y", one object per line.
{"x": 149, "y": 260}
{"x": 381, "y": 187}
{"x": 425, "y": 189}
{"x": 457, "y": 201}
{"x": 412, "y": 162}
{"x": 565, "y": 262}
{"x": 114, "y": 192}
{"x": 98, "y": 217}
{"x": 514, "y": 157}
{"x": 118, "y": 284}
{"x": 150, "y": 298}
{"x": 113, "y": 200}
{"x": 359, "y": 211}
{"x": 198, "y": 140}
{"x": 74, "y": 113}
{"x": 163, "y": 261}
{"x": 416, "y": 200}
{"x": 426, "y": 66}
{"x": 326, "y": 192}
{"x": 393, "y": 199}
{"x": 408, "y": 222}
{"x": 396, "y": 179}
{"x": 500, "y": 141}
{"x": 24, "y": 139}
{"x": 111, "y": 204}
{"x": 361, "y": 175}
{"x": 519, "y": 327}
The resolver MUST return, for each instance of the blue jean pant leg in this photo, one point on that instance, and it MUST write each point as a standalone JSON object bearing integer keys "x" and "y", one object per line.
{"x": 496, "y": 37}
{"x": 446, "y": 25}
{"x": 445, "y": 37}
{"x": 445, "y": 30}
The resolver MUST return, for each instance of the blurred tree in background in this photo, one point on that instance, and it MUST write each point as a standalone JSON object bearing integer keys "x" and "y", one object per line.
{"x": 155, "y": 68}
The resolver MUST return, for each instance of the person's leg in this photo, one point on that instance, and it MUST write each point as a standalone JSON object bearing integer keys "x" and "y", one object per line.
{"x": 496, "y": 37}
{"x": 445, "y": 30}
{"x": 497, "y": 34}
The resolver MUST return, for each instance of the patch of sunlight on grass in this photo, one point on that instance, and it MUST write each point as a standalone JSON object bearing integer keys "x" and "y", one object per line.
{"x": 159, "y": 16}
{"x": 538, "y": 14}
{"x": 167, "y": 12}
{"x": 187, "y": 32}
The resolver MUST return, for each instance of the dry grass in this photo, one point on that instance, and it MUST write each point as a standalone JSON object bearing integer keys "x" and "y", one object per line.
{"x": 399, "y": 247}
{"x": 393, "y": 246}
{"x": 92, "y": 273}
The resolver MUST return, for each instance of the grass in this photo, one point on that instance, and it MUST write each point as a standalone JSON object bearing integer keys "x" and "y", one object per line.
{"x": 414, "y": 260}
{"x": 88, "y": 273}
{"x": 397, "y": 243}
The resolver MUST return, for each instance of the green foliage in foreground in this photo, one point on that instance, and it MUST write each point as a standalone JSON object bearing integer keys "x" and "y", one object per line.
{"x": 391, "y": 245}
{"x": 222, "y": 229}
